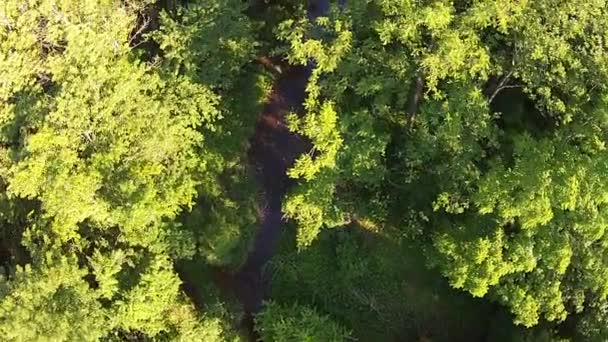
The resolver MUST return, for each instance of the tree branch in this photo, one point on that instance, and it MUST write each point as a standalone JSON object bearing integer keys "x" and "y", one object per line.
{"x": 144, "y": 25}
{"x": 267, "y": 63}
{"x": 503, "y": 85}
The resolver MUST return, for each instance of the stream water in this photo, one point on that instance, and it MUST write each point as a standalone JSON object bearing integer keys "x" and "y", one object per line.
{"x": 273, "y": 150}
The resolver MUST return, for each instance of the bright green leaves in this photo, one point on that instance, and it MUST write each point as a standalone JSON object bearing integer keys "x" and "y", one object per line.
{"x": 145, "y": 306}
{"x": 437, "y": 17}
{"x": 329, "y": 42}
{"x": 105, "y": 268}
{"x": 364, "y": 154}
{"x": 103, "y": 151}
{"x": 541, "y": 293}
{"x": 457, "y": 56}
{"x": 116, "y": 136}
{"x": 549, "y": 199}
{"x": 474, "y": 265}
{"x": 210, "y": 45}
{"x": 479, "y": 123}
{"x": 452, "y": 53}
{"x": 441, "y": 47}
{"x": 203, "y": 42}
{"x": 499, "y": 15}
{"x": 322, "y": 130}
{"x": 497, "y": 264}
{"x": 545, "y": 178}
{"x": 56, "y": 178}
{"x": 557, "y": 53}
{"x": 487, "y": 118}
{"x": 544, "y": 290}
{"x": 346, "y": 145}
{"x": 312, "y": 206}
{"x": 52, "y": 303}
{"x": 530, "y": 203}
{"x": 19, "y": 52}
{"x": 60, "y": 301}
{"x": 297, "y": 323}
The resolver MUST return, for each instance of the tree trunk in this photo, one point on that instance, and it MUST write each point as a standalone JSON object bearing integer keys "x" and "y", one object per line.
{"x": 414, "y": 98}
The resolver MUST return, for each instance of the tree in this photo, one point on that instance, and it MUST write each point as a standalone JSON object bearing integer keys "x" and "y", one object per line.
{"x": 592, "y": 323}
{"x": 102, "y": 148}
{"x": 213, "y": 44}
{"x": 53, "y": 303}
{"x": 300, "y": 323}
{"x": 495, "y": 140}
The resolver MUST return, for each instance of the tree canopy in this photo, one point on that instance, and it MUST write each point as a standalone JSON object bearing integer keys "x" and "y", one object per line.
{"x": 102, "y": 150}
{"x": 454, "y": 169}
{"x": 483, "y": 122}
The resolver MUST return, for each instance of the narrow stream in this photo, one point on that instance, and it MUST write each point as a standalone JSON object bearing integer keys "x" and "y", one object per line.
{"x": 273, "y": 150}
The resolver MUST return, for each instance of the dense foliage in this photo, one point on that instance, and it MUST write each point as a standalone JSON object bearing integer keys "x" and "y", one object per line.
{"x": 483, "y": 123}
{"x": 297, "y": 323}
{"x": 101, "y": 151}
{"x": 454, "y": 188}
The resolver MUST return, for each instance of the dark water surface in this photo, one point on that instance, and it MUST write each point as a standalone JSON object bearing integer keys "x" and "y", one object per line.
{"x": 273, "y": 150}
